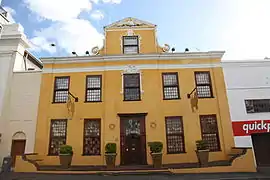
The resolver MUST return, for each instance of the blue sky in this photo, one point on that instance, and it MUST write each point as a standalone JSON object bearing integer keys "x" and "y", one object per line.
{"x": 240, "y": 27}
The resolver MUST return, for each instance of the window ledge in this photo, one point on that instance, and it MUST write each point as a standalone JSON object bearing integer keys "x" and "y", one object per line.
{"x": 177, "y": 153}
{"x": 92, "y": 101}
{"x": 59, "y": 102}
{"x": 172, "y": 99}
{"x": 91, "y": 154}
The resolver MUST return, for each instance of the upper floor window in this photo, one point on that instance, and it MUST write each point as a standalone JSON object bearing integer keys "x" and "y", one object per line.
{"x": 61, "y": 89}
{"x": 132, "y": 87}
{"x": 203, "y": 84}
{"x": 170, "y": 86}
{"x": 257, "y": 105}
{"x": 130, "y": 45}
{"x": 93, "y": 88}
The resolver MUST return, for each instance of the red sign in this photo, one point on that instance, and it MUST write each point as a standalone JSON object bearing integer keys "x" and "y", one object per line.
{"x": 245, "y": 128}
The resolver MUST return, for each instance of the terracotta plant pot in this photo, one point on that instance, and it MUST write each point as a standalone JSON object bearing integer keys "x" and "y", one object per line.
{"x": 203, "y": 156}
{"x": 110, "y": 160}
{"x": 65, "y": 160}
{"x": 157, "y": 160}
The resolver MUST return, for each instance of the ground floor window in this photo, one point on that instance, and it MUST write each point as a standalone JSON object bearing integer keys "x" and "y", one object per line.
{"x": 58, "y": 133}
{"x": 91, "y": 143}
{"x": 175, "y": 135}
{"x": 209, "y": 129}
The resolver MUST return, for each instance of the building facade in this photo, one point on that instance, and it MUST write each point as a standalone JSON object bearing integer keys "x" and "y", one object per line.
{"x": 248, "y": 89}
{"x": 20, "y": 75}
{"x": 131, "y": 92}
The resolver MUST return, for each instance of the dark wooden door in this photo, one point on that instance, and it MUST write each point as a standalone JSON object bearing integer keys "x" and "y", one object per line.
{"x": 17, "y": 148}
{"x": 261, "y": 147}
{"x": 133, "y": 143}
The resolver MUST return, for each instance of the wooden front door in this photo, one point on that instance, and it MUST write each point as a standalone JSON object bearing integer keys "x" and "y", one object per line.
{"x": 17, "y": 148}
{"x": 133, "y": 143}
{"x": 261, "y": 147}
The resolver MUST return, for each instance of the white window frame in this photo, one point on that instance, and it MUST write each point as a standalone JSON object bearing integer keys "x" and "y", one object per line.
{"x": 130, "y": 69}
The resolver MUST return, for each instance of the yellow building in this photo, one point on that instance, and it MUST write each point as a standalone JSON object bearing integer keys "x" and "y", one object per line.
{"x": 131, "y": 92}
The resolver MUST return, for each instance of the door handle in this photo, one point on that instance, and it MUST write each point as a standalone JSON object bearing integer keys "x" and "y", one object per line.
{"x": 133, "y": 149}
{"x": 126, "y": 149}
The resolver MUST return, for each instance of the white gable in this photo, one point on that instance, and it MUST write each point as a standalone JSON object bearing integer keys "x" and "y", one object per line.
{"x": 130, "y": 23}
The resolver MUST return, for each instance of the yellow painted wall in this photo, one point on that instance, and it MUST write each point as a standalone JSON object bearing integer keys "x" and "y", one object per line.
{"x": 151, "y": 102}
{"x": 114, "y": 40}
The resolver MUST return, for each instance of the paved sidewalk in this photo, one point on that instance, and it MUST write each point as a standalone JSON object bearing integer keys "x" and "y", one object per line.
{"x": 217, "y": 176}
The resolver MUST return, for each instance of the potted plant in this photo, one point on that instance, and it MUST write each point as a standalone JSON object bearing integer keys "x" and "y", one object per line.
{"x": 110, "y": 155}
{"x": 202, "y": 152}
{"x": 156, "y": 153}
{"x": 65, "y": 156}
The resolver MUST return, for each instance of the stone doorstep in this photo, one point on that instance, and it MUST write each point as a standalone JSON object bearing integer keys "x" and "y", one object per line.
{"x": 131, "y": 168}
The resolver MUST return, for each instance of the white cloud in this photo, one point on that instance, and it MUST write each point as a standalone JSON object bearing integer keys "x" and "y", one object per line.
{"x": 97, "y": 15}
{"x": 66, "y": 30}
{"x": 58, "y": 10}
{"x": 74, "y": 35}
{"x": 40, "y": 43}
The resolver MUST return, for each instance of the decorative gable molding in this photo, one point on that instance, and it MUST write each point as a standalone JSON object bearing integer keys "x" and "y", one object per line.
{"x": 130, "y": 23}
{"x": 131, "y": 69}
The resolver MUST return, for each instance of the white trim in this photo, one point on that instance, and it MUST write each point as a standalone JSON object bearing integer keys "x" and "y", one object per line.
{"x": 125, "y": 57}
{"x": 122, "y": 67}
{"x": 250, "y": 63}
{"x": 131, "y": 69}
{"x": 133, "y": 28}
{"x": 125, "y": 20}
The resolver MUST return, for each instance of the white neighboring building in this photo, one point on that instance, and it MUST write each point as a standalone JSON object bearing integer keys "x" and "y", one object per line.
{"x": 248, "y": 90}
{"x": 20, "y": 77}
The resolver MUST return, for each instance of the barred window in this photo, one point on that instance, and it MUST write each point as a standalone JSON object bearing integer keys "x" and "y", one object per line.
{"x": 93, "y": 88}
{"x": 170, "y": 86}
{"x": 130, "y": 45}
{"x": 58, "y": 133}
{"x": 175, "y": 135}
{"x": 209, "y": 130}
{"x": 132, "y": 87}
{"x": 61, "y": 89}
{"x": 257, "y": 105}
{"x": 203, "y": 84}
{"x": 91, "y": 139}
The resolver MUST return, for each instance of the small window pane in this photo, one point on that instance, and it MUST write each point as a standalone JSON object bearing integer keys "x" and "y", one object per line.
{"x": 131, "y": 49}
{"x": 93, "y": 82}
{"x": 204, "y": 91}
{"x": 202, "y": 78}
{"x": 132, "y": 94}
{"x": 62, "y": 83}
{"x": 170, "y": 79}
{"x": 170, "y": 92}
{"x": 130, "y": 40}
{"x": 132, "y": 80}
